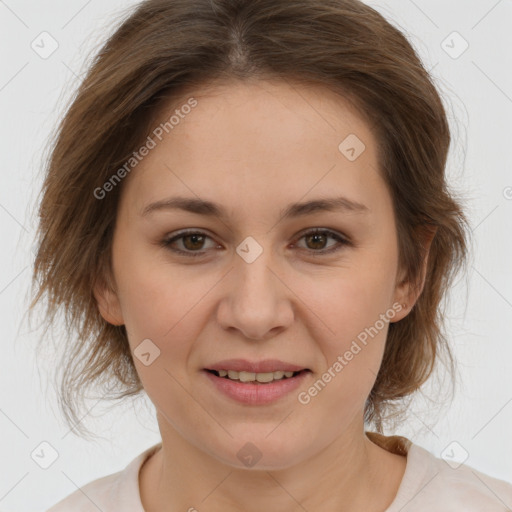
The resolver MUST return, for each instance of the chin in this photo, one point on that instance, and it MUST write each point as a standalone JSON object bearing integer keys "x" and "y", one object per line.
{"x": 261, "y": 451}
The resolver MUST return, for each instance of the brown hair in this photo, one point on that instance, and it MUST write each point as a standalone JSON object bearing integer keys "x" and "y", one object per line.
{"x": 166, "y": 48}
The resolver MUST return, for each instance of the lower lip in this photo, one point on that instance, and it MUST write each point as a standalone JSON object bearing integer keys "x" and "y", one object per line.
{"x": 256, "y": 394}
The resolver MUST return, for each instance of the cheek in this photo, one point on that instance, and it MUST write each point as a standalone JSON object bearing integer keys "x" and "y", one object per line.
{"x": 351, "y": 336}
{"x": 156, "y": 297}
{"x": 159, "y": 307}
{"x": 352, "y": 299}
{"x": 348, "y": 314}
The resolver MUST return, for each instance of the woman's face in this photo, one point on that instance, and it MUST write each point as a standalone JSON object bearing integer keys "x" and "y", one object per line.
{"x": 255, "y": 283}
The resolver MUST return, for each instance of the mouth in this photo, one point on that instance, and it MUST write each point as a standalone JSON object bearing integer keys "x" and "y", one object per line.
{"x": 252, "y": 388}
{"x": 257, "y": 378}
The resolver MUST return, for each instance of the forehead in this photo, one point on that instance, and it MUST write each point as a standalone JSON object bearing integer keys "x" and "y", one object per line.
{"x": 263, "y": 138}
{"x": 285, "y": 107}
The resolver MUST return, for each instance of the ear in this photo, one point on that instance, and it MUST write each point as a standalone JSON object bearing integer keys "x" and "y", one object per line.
{"x": 406, "y": 293}
{"x": 108, "y": 303}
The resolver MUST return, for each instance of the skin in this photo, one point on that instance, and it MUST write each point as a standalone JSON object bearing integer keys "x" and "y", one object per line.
{"x": 255, "y": 147}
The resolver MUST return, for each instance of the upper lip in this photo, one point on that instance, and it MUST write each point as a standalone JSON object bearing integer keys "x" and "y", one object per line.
{"x": 265, "y": 366}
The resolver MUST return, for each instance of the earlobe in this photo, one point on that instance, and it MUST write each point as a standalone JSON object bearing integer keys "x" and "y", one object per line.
{"x": 108, "y": 304}
{"x": 404, "y": 299}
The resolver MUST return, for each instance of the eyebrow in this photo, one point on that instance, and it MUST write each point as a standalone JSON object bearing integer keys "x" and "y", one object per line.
{"x": 211, "y": 209}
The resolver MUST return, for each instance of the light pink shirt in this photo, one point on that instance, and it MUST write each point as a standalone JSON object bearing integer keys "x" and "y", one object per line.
{"x": 429, "y": 484}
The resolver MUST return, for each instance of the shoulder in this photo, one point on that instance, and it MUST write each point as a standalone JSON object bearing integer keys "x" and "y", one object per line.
{"x": 94, "y": 496}
{"x": 433, "y": 483}
{"x": 117, "y": 491}
{"x": 448, "y": 486}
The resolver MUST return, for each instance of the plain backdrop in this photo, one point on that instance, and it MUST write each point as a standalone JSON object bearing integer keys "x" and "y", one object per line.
{"x": 466, "y": 44}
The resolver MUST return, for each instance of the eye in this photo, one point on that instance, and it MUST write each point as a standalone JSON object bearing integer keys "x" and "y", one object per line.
{"x": 316, "y": 240}
{"x": 192, "y": 242}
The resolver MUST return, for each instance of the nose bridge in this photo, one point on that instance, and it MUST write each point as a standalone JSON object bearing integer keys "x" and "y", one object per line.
{"x": 257, "y": 301}
{"x": 254, "y": 279}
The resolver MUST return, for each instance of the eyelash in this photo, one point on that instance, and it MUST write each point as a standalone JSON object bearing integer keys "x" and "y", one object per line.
{"x": 194, "y": 254}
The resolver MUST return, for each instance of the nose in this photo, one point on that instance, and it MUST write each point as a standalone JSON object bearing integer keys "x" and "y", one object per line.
{"x": 258, "y": 301}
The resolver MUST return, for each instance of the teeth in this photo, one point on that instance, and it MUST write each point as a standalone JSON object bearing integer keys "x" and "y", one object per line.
{"x": 252, "y": 377}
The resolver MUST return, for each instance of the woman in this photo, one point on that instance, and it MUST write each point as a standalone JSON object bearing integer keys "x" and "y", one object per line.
{"x": 246, "y": 216}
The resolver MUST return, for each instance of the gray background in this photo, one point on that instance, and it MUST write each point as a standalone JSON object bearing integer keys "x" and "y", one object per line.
{"x": 477, "y": 88}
